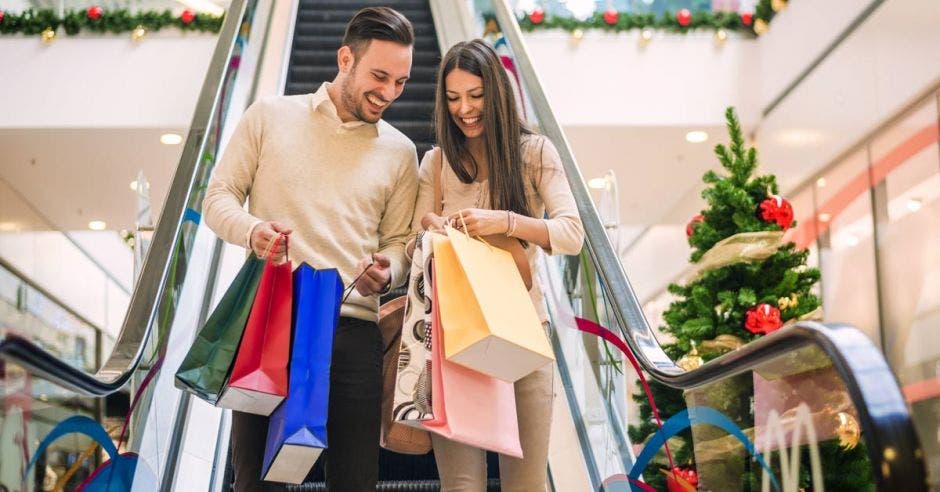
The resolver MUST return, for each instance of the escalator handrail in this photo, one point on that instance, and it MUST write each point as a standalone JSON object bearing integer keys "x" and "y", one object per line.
{"x": 882, "y": 410}
{"x": 155, "y": 274}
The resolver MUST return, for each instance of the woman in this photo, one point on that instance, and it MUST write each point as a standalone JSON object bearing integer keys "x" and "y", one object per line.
{"x": 496, "y": 178}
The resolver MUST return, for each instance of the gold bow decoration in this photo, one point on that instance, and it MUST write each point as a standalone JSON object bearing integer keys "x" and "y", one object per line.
{"x": 739, "y": 248}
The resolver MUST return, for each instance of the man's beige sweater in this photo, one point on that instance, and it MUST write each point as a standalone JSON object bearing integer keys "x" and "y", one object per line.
{"x": 346, "y": 189}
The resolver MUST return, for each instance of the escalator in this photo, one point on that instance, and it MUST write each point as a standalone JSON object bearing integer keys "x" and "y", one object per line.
{"x": 160, "y": 447}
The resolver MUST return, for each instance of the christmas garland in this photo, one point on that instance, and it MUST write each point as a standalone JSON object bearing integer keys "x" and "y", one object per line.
{"x": 682, "y": 21}
{"x": 98, "y": 20}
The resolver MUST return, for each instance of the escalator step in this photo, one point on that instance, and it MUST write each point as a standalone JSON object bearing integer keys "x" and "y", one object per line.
{"x": 307, "y": 73}
{"x": 328, "y": 57}
{"x": 492, "y": 485}
{"x": 314, "y": 14}
{"x": 338, "y": 28}
{"x": 322, "y": 42}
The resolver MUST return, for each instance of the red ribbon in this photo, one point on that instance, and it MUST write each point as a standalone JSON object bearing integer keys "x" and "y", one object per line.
{"x": 595, "y": 329}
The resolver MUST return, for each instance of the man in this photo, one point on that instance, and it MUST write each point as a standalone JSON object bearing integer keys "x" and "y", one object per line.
{"x": 340, "y": 183}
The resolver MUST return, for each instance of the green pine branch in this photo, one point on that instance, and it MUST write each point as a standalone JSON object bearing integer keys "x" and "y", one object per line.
{"x": 32, "y": 22}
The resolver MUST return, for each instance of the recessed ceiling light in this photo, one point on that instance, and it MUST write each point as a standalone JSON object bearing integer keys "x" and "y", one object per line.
{"x": 696, "y": 136}
{"x": 799, "y": 137}
{"x": 821, "y": 183}
{"x": 171, "y": 139}
{"x": 824, "y": 217}
{"x": 914, "y": 204}
{"x": 598, "y": 183}
{"x": 97, "y": 225}
{"x": 134, "y": 185}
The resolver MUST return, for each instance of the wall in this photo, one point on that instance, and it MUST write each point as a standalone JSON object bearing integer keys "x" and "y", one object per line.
{"x": 108, "y": 81}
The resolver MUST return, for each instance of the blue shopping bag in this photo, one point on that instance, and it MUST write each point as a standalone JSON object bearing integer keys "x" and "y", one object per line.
{"x": 297, "y": 430}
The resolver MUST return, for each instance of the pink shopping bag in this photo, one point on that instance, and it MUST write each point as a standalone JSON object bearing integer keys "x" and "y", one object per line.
{"x": 468, "y": 406}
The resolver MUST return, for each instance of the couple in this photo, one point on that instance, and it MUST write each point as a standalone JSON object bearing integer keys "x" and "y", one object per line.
{"x": 326, "y": 166}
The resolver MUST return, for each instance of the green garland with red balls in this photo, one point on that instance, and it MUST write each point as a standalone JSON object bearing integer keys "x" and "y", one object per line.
{"x": 681, "y": 21}
{"x": 98, "y": 20}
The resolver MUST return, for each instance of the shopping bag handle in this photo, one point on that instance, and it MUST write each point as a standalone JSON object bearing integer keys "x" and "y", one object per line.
{"x": 272, "y": 247}
{"x": 464, "y": 230}
{"x": 348, "y": 290}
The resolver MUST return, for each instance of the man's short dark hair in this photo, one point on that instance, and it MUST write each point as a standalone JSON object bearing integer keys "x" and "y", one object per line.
{"x": 377, "y": 23}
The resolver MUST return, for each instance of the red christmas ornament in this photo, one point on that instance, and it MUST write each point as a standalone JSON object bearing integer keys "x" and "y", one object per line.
{"x": 2, "y": 15}
{"x": 747, "y": 18}
{"x": 762, "y": 319}
{"x": 776, "y": 209}
{"x": 684, "y": 17}
{"x": 537, "y": 16}
{"x": 188, "y": 16}
{"x": 686, "y": 474}
{"x": 611, "y": 17}
{"x": 690, "y": 227}
{"x": 94, "y": 12}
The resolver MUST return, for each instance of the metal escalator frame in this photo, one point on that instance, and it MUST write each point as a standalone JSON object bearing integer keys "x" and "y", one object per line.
{"x": 155, "y": 275}
{"x": 894, "y": 450}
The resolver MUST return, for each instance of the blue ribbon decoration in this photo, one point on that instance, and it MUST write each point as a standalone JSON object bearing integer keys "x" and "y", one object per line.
{"x": 685, "y": 419}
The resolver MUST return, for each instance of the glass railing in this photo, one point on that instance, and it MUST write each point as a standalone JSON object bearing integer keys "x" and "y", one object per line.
{"x": 797, "y": 408}
{"x": 27, "y": 310}
{"x": 62, "y": 427}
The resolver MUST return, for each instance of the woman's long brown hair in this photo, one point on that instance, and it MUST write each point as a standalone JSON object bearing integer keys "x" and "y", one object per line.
{"x": 503, "y": 130}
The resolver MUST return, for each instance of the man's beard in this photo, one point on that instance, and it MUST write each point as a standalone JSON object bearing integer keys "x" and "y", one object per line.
{"x": 355, "y": 107}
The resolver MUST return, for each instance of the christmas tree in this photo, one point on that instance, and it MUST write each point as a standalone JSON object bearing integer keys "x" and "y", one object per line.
{"x": 746, "y": 283}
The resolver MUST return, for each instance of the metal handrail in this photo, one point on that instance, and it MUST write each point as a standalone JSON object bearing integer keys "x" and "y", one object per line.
{"x": 155, "y": 275}
{"x": 870, "y": 382}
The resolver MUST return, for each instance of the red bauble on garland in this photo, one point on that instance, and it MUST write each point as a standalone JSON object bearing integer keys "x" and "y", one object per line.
{"x": 94, "y": 12}
{"x": 537, "y": 16}
{"x": 690, "y": 227}
{"x": 188, "y": 16}
{"x": 762, "y": 319}
{"x": 611, "y": 16}
{"x": 747, "y": 18}
{"x": 686, "y": 474}
{"x": 2, "y": 15}
{"x": 684, "y": 17}
{"x": 777, "y": 210}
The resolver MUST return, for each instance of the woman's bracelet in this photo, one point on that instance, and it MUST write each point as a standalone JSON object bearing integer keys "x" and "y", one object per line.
{"x": 512, "y": 224}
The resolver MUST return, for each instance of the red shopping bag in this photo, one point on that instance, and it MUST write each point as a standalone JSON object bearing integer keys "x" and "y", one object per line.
{"x": 468, "y": 406}
{"x": 258, "y": 382}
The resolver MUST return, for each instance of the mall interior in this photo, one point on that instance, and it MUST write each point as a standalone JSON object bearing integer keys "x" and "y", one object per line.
{"x": 734, "y": 321}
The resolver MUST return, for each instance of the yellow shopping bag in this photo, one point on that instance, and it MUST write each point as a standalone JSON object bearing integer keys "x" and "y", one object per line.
{"x": 487, "y": 317}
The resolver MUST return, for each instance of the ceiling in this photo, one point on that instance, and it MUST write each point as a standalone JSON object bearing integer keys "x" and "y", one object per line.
{"x": 65, "y": 178}
{"x": 659, "y": 173}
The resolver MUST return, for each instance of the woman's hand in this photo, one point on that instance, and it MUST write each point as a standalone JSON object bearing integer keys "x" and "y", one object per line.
{"x": 481, "y": 222}
{"x": 433, "y": 222}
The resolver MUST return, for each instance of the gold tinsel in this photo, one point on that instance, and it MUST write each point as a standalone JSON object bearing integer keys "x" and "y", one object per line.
{"x": 788, "y": 302}
{"x": 691, "y": 360}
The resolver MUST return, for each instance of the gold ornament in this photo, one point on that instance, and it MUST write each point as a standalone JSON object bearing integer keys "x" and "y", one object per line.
{"x": 848, "y": 431}
{"x": 691, "y": 360}
{"x": 137, "y": 35}
{"x": 788, "y": 302}
{"x": 576, "y": 36}
{"x": 720, "y": 37}
{"x": 778, "y": 5}
{"x": 722, "y": 344}
{"x": 48, "y": 35}
{"x": 761, "y": 27}
{"x": 646, "y": 35}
